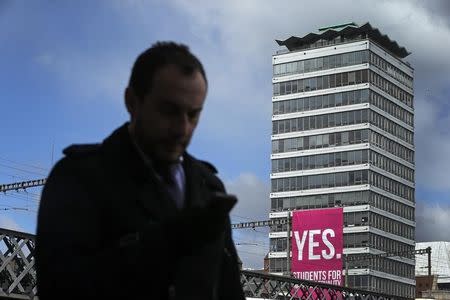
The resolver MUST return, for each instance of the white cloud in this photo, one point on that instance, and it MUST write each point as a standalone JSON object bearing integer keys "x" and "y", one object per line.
{"x": 433, "y": 223}
{"x": 432, "y": 145}
{"x": 235, "y": 40}
{"x": 253, "y": 195}
{"x": 243, "y": 34}
{"x": 254, "y": 203}
{"x": 8, "y": 223}
{"x": 89, "y": 76}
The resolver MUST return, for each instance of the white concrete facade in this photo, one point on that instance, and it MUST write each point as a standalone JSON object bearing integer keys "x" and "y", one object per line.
{"x": 394, "y": 63}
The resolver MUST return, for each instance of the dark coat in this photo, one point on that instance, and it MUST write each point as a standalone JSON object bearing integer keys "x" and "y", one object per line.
{"x": 95, "y": 201}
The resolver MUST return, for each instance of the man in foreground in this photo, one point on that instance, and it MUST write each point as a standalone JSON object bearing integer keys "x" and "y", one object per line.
{"x": 137, "y": 217}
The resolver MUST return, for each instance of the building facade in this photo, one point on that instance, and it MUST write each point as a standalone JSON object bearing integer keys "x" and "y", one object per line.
{"x": 343, "y": 135}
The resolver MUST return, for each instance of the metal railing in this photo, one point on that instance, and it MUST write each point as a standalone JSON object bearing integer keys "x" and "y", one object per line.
{"x": 268, "y": 286}
{"x": 17, "y": 272}
{"x": 18, "y": 277}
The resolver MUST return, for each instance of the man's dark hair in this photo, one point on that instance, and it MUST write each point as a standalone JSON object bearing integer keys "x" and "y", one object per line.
{"x": 158, "y": 56}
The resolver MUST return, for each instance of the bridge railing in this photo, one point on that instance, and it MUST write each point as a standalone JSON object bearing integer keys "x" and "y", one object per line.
{"x": 18, "y": 277}
{"x": 17, "y": 272}
{"x": 268, "y": 286}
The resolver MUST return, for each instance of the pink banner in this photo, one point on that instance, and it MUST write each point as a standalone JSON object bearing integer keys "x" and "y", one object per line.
{"x": 317, "y": 244}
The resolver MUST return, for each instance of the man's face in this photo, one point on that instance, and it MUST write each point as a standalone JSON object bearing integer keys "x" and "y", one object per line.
{"x": 164, "y": 121}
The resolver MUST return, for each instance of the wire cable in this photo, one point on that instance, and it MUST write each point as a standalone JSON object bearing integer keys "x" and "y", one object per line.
{"x": 22, "y": 170}
{"x": 24, "y": 164}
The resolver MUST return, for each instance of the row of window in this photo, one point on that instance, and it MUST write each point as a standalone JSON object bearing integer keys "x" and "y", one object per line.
{"x": 307, "y": 182}
{"x": 342, "y": 79}
{"x": 342, "y": 119}
{"x": 391, "y": 108}
{"x": 366, "y": 218}
{"x": 390, "y": 69}
{"x": 321, "y": 141}
{"x": 338, "y": 159}
{"x": 381, "y": 264}
{"x": 344, "y": 199}
{"x": 382, "y": 285}
{"x": 327, "y": 160}
{"x": 391, "y": 246}
{"x": 392, "y": 206}
{"x": 320, "y": 201}
{"x": 321, "y": 101}
{"x": 391, "y": 89}
{"x": 321, "y": 121}
{"x": 278, "y": 245}
{"x": 322, "y": 63}
{"x": 391, "y": 127}
{"x": 320, "y": 82}
{"x": 357, "y": 240}
{"x": 386, "y": 286}
{"x": 342, "y": 99}
{"x": 391, "y": 166}
{"x": 391, "y": 226}
{"x": 392, "y": 186}
{"x": 343, "y": 138}
{"x": 278, "y": 265}
{"x": 391, "y": 146}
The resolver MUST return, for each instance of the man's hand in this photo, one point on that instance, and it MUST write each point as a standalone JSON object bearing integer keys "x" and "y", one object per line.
{"x": 196, "y": 226}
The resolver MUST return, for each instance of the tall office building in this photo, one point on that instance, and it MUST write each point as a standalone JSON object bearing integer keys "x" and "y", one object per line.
{"x": 343, "y": 136}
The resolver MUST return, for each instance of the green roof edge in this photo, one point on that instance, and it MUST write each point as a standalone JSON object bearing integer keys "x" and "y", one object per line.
{"x": 337, "y": 26}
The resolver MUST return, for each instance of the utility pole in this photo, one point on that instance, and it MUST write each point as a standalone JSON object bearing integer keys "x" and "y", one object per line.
{"x": 428, "y": 250}
{"x": 288, "y": 244}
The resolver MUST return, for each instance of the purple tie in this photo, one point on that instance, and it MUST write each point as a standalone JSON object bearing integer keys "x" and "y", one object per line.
{"x": 174, "y": 182}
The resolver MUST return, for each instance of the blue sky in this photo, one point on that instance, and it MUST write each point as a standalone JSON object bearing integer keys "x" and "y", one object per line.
{"x": 65, "y": 66}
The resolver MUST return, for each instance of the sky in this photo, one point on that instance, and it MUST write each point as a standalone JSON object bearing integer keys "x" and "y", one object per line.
{"x": 65, "y": 64}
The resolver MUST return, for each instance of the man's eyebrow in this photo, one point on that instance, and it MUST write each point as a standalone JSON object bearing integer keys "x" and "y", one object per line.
{"x": 197, "y": 109}
{"x": 175, "y": 104}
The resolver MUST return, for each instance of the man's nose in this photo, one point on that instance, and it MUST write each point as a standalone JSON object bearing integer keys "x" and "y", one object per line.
{"x": 182, "y": 125}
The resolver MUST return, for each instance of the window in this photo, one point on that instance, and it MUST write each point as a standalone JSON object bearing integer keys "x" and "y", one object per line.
{"x": 276, "y": 89}
{"x": 364, "y": 76}
{"x": 345, "y": 140}
{"x": 332, "y": 80}
{"x": 282, "y": 88}
{"x": 338, "y": 99}
{"x": 326, "y": 81}
{"x": 338, "y": 79}
{"x": 345, "y": 79}
{"x": 351, "y": 78}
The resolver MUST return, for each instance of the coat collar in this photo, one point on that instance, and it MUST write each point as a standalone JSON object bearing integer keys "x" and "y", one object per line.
{"x": 123, "y": 159}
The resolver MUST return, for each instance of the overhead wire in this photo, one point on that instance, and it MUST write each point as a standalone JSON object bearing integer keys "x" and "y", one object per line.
{"x": 251, "y": 243}
{"x": 253, "y": 253}
{"x": 14, "y": 176}
{"x": 22, "y": 170}
{"x": 20, "y": 197}
{"x": 24, "y": 164}
{"x": 18, "y": 209}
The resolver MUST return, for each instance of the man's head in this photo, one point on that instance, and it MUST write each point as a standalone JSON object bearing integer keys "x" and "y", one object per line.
{"x": 164, "y": 97}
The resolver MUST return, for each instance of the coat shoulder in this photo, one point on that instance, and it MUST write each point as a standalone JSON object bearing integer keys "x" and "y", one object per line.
{"x": 78, "y": 158}
{"x": 209, "y": 166}
{"x": 209, "y": 173}
{"x": 81, "y": 150}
